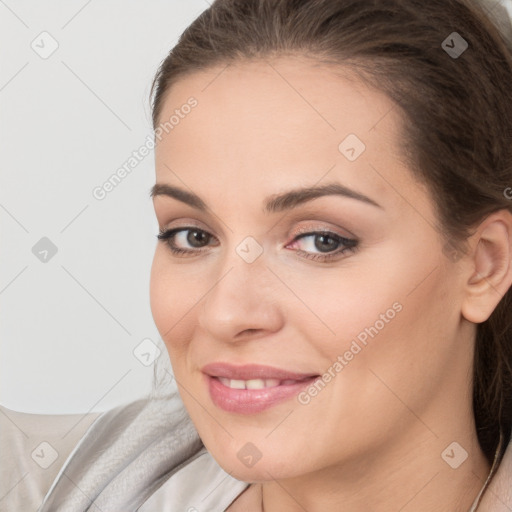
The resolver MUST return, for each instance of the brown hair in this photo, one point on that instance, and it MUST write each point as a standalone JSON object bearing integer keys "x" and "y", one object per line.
{"x": 457, "y": 118}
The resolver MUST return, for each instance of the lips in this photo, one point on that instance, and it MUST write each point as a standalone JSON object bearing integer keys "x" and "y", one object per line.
{"x": 253, "y": 388}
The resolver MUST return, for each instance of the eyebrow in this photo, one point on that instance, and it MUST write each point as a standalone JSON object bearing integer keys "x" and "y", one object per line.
{"x": 273, "y": 204}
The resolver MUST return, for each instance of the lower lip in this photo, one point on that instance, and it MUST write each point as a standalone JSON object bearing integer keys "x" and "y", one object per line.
{"x": 249, "y": 401}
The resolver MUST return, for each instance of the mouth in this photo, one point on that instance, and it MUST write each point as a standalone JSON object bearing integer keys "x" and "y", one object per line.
{"x": 252, "y": 388}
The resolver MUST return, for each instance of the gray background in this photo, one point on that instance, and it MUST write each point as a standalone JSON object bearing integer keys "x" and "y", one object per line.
{"x": 70, "y": 323}
{"x": 68, "y": 326}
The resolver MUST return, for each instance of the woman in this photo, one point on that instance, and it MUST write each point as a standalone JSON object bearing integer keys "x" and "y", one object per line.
{"x": 333, "y": 274}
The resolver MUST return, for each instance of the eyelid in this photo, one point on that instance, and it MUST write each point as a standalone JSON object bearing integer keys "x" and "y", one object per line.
{"x": 318, "y": 227}
{"x": 311, "y": 229}
{"x": 185, "y": 223}
{"x": 313, "y": 225}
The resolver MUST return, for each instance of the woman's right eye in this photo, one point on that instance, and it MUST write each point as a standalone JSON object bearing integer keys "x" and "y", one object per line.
{"x": 194, "y": 236}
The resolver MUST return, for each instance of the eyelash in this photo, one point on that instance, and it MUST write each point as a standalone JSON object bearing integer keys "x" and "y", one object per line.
{"x": 351, "y": 245}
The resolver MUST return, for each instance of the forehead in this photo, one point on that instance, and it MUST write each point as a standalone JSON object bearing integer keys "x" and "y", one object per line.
{"x": 282, "y": 120}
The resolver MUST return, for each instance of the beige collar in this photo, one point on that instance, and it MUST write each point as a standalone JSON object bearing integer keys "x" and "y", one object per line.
{"x": 496, "y": 493}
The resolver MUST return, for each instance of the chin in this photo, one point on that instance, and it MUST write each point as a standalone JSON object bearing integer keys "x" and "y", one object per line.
{"x": 243, "y": 464}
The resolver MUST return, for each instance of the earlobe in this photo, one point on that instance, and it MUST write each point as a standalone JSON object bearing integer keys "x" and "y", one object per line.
{"x": 490, "y": 269}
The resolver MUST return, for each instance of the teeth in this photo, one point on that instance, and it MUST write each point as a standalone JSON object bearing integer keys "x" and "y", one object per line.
{"x": 260, "y": 383}
{"x": 237, "y": 384}
{"x": 250, "y": 384}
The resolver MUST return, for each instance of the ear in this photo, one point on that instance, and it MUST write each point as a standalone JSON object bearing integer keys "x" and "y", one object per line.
{"x": 489, "y": 266}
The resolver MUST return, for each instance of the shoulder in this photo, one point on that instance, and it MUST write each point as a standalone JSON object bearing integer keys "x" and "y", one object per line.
{"x": 125, "y": 456}
{"x": 199, "y": 484}
{"x": 34, "y": 447}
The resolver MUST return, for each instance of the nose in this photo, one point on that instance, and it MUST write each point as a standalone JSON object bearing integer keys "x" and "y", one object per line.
{"x": 242, "y": 302}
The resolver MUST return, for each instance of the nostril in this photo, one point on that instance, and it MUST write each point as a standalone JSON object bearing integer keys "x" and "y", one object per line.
{"x": 248, "y": 331}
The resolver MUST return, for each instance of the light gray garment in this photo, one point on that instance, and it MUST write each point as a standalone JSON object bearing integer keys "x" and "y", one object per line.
{"x": 33, "y": 448}
{"x": 128, "y": 453}
{"x": 200, "y": 486}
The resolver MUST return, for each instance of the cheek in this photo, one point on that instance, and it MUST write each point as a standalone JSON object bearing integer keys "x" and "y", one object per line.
{"x": 169, "y": 298}
{"x": 395, "y": 317}
{"x": 405, "y": 353}
{"x": 158, "y": 292}
{"x": 348, "y": 305}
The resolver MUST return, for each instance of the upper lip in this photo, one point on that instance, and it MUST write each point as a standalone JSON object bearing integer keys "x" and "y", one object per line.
{"x": 252, "y": 371}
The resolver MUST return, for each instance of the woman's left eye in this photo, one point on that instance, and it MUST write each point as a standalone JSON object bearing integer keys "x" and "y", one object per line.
{"x": 326, "y": 242}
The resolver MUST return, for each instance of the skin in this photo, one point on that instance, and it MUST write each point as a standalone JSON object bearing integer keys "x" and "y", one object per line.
{"x": 372, "y": 439}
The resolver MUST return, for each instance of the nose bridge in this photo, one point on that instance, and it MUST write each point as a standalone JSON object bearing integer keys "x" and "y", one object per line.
{"x": 244, "y": 263}
{"x": 240, "y": 278}
{"x": 241, "y": 297}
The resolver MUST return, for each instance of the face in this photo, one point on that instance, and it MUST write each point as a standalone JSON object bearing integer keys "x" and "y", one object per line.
{"x": 349, "y": 291}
